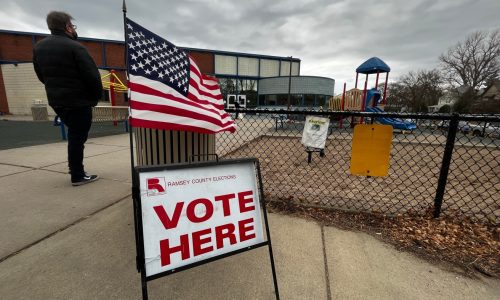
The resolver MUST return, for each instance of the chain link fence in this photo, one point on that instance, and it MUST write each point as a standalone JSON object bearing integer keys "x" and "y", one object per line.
{"x": 449, "y": 164}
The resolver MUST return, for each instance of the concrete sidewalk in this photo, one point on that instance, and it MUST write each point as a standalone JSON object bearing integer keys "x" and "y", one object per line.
{"x": 64, "y": 242}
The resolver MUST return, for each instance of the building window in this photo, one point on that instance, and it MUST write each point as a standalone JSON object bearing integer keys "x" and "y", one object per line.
{"x": 262, "y": 100}
{"x": 309, "y": 100}
{"x": 321, "y": 101}
{"x": 248, "y": 66}
{"x": 285, "y": 68}
{"x": 296, "y": 100}
{"x": 283, "y": 100}
{"x": 248, "y": 87}
{"x": 269, "y": 68}
{"x": 271, "y": 100}
{"x": 227, "y": 87}
{"x": 225, "y": 64}
{"x": 295, "y": 69}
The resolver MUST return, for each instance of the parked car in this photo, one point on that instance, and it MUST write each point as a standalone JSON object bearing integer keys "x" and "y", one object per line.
{"x": 491, "y": 130}
{"x": 443, "y": 125}
{"x": 463, "y": 126}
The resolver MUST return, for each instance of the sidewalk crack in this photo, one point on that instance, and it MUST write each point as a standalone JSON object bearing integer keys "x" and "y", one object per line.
{"x": 325, "y": 259}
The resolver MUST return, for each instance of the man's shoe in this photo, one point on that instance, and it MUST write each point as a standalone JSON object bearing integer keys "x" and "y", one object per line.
{"x": 84, "y": 180}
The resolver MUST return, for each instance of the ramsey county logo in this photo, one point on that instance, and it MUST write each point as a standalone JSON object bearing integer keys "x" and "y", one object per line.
{"x": 156, "y": 186}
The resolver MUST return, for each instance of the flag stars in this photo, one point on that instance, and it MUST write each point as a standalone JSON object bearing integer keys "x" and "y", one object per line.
{"x": 156, "y": 59}
{"x": 129, "y": 26}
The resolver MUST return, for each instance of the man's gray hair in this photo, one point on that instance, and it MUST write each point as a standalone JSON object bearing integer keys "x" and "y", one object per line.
{"x": 57, "y": 20}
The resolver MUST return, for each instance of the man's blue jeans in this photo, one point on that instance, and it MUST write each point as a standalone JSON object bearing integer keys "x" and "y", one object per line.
{"x": 78, "y": 120}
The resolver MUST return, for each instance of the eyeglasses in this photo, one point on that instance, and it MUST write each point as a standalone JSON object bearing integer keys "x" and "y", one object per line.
{"x": 74, "y": 26}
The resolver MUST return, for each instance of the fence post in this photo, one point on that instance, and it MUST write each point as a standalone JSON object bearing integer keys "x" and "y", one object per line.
{"x": 445, "y": 166}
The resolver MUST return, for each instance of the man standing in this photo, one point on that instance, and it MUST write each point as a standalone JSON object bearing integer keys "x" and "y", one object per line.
{"x": 73, "y": 85}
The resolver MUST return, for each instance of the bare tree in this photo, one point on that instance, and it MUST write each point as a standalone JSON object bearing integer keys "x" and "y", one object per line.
{"x": 416, "y": 90}
{"x": 474, "y": 61}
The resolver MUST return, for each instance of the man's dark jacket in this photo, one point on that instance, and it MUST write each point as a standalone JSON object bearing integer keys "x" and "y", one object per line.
{"x": 70, "y": 75}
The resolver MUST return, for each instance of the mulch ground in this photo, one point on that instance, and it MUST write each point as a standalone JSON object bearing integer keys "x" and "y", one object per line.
{"x": 454, "y": 242}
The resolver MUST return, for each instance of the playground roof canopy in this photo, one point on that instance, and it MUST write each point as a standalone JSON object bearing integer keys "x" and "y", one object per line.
{"x": 372, "y": 66}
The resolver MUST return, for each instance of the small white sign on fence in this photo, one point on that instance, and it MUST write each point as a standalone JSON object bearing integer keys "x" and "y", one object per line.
{"x": 315, "y": 132}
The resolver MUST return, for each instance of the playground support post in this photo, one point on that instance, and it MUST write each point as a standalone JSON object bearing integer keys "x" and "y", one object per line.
{"x": 356, "y": 84}
{"x": 376, "y": 87}
{"x": 385, "y": 87}
{"x": 363, "y": 104}
{"x": 342, "y": 106}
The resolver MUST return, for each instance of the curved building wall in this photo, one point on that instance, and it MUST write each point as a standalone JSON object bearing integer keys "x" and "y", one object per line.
{"x": 299, "y": 85}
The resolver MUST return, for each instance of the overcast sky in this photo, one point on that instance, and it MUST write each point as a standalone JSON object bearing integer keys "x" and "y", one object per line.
{"x": 332, "y": 38}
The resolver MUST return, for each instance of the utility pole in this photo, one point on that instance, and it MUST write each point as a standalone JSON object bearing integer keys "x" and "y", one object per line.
{"x": 289, "y": 83}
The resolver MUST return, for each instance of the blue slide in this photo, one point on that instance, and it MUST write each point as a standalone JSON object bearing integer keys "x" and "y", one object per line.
{"x": 396, "y": 123}
{"x": 374, "y": 94}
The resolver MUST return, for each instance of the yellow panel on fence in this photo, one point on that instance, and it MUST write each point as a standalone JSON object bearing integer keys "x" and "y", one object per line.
{"x": 371, "y": 147}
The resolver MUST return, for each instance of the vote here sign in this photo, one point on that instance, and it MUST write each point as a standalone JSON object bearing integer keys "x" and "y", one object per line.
{"x": 197, "y": 213}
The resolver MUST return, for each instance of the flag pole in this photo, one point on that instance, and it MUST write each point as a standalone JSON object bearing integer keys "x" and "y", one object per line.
{"x": 132, "y": 164}
{"x": 135, "y": 184}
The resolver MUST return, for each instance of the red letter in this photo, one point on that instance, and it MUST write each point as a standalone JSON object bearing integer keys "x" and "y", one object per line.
{"x": 244, "y": 229}
{"x": 209, "y": 210}
{"x": 198, "y": 242}
{"x": 225, "y": 203}
{"x": 154, "y": 184}
{"x": 165, "y": 220}
{"x": 244, "y": 201}
{"x": 220, "y": 236}
{"x": 165, "y": 250}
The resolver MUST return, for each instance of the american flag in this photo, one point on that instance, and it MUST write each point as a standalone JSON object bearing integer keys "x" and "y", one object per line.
{"x": 167, "y": 89}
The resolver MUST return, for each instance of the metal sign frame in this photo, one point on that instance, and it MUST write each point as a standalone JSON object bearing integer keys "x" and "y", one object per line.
{"x": 138, "y": 226}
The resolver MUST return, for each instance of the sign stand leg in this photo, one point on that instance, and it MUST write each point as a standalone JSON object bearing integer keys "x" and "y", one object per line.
{"x": 271, "y": 257}
{"x": 144, "y": 285}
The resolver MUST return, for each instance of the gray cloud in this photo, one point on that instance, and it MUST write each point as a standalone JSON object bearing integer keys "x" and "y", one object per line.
{"x": 331, "y": 38}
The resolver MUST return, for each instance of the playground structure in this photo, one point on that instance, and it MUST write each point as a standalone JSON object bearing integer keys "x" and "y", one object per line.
{"x": 114, "y": 84}
{"x": 367, "y": 100}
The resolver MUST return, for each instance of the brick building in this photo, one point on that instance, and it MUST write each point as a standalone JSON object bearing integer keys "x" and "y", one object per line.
{"x": 239, "y": 74}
